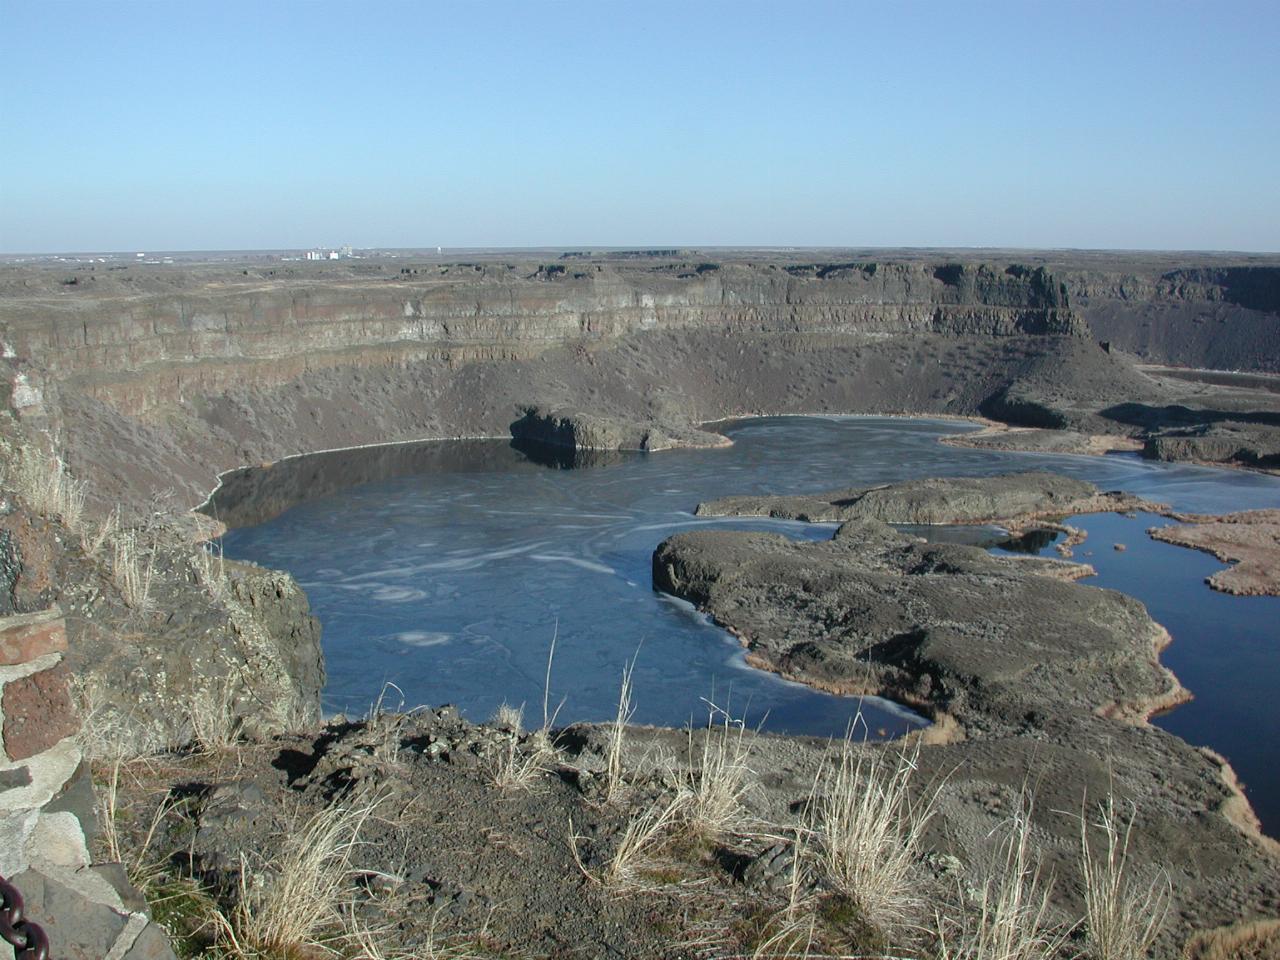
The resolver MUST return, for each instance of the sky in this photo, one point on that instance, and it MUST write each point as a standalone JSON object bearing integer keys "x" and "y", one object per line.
{"x": 192, "y": 125}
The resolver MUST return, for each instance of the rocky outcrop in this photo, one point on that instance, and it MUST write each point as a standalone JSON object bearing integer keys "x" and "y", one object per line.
{"x": 161, "y": 378}
{"x": 584, "y": 431}
{"x": 1215, "y": 314}
{"x": 1036, "y": 683}
{"x": 980, "y": 638}
{"x": 935, "y": 500}
{"x": 1225, "y": 441}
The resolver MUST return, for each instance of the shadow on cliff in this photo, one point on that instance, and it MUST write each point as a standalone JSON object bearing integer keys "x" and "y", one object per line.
{"x": 1151, "y": 416}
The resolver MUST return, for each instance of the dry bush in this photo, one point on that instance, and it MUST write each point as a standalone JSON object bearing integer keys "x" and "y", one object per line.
{"x": 866, "y": 829}
{"x": 1012, "y": 920}
{"x": 716, "y": 780}
{"x": 1123, "y": 913}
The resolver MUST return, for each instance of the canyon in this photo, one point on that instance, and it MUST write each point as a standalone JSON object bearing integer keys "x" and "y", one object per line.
{"x": 149, "y": 383}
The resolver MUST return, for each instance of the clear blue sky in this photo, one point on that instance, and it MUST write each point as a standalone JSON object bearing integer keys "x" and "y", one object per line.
{"x": 229, "y": 124}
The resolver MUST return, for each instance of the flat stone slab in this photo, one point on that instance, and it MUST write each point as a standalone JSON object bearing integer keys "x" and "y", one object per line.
{"x": 38, "y": 712}
{"x": 27, "y": 636}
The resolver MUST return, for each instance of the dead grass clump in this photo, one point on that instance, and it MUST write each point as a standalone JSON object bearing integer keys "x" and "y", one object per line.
{"x": 211, "y": 571}
{"x": 295, "y": 902}
{"x": 716, "y": 780}
{"x": 634, "y": 854}
{"x": 1252, "y": 940}
{"x": 106, "y": 530}
{"x": 523, "y": 760}
{"x": 42, "y": 480}
{"x": 1123, "y": 913}
{"x": 384, "y": 727}
{"x": 508, "y": 717}
{"x": 107, "y": 733}
{"x": 1012, "y": 920}
{"x": 365, "y": 942}
{"x": 867, "y": 827}
{"x": 131, "y": 576}
{"x": 212, "y": 717}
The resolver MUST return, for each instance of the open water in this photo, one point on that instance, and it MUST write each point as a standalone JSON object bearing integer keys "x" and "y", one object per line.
{"x": 453, "y": 582}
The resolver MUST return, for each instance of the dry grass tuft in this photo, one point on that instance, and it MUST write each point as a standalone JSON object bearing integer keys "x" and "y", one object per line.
{"x": 866, "y": 829}
{"x": 363, "y": 942}
{"x": 295, "y": 903}
{"x": 42, "y": 480}
{"x": 106, "y": 732}
{"x": 788, "y": 937}
{"x": 508, "y": 717}
{"x": 617, "y": 736}
{"x": 103, "y": 533}
{"x": 210, "y": 569}
{"x": 523, "y": 761}
{"x": 211, "y": 715}
{"x": 130, "y": 575}
{"x": 1012, "y": 919}
{"x": 716, "y": 780}
{"x": 384, "y": 727}
{"x": 1252, "y": 940}
{"x": 634, "y": 854}
{"x": 1123, "y": 914}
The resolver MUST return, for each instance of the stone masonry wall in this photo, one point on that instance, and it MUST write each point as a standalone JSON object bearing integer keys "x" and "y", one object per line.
{"x": 89, "y": 911}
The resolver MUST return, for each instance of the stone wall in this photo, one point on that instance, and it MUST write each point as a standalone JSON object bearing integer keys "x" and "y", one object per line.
{"x": 90, "y": 911}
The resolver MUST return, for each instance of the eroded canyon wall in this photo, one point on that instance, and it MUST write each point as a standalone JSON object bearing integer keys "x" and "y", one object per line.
{"x": 156, "y": 381}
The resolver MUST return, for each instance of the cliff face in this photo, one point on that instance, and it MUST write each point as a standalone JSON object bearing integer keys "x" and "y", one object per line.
{"x": 1219, "y": 317}
{"x": 157, "y": 380}
{"x": 158, "y": 383}
{"x": 143, "y": 351}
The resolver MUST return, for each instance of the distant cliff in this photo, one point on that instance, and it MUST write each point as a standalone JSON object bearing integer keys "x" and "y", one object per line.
{"x": 159, "y": 378}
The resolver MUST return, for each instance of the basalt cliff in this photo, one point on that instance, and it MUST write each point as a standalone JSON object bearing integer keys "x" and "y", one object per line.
{"x": 157, "y": 381}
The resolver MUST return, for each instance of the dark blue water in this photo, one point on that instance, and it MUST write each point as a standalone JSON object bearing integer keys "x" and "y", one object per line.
{"x": 1225, "y": 649}
{"x": 452, "y": 584}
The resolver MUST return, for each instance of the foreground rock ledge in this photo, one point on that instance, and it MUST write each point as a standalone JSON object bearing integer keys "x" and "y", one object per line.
{"x": 1036, "y": 682}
